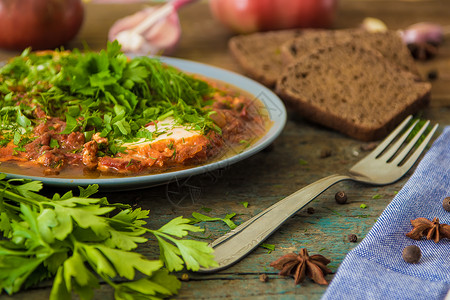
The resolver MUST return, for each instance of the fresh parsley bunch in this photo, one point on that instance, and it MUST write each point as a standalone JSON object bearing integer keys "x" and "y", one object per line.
{"x": 79, "y": 241}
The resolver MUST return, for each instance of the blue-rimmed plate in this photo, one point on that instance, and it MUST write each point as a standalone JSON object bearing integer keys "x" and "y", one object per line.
{"x": 273, "y": 105}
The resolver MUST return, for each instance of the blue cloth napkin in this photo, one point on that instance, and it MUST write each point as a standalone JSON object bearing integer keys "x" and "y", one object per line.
{"x": 375, "y": 269}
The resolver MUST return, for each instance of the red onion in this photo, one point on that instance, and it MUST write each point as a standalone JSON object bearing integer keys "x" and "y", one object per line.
{"x": 40, "y": 24}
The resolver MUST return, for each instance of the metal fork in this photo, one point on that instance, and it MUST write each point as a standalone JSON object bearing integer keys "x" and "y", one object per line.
{"x": 387, "y": 163}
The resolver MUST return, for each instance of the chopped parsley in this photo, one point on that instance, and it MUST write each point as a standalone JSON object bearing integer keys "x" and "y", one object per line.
{"x": 104, "y": 92}
{"x": 269, "y": 247}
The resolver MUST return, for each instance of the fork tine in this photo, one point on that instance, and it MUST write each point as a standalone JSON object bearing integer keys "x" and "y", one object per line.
{"x": 412, "y": 159}
{"x": 396, "y": 146}
{"x": 383, "y": 145}
{"x": 404, "y": 152}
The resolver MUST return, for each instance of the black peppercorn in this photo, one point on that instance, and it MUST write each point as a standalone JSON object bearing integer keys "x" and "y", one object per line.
{"x": 411, "y": 254}
{"x": 310, "y": 210}
{"x": 352, "y": 238}
{"x": 340, "y": 197}
{"x": 446, "y": 203}
{"x": 432, "y": 75}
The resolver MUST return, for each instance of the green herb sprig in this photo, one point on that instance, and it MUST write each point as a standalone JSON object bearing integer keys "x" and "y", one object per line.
{"x": 79, "y": 240}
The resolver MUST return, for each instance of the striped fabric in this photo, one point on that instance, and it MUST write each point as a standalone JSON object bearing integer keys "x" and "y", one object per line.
{"x": 375, "y": 269}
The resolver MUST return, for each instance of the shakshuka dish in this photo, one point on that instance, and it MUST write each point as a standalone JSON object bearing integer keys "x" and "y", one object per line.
{"x": 84, "y": 113}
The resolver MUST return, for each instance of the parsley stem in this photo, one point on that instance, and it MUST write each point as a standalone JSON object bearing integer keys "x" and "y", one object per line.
{"x": 154, "y": 232}
{"x": 18, "y": 198}
{"x": 5, "y": 251}
{"x": 109, "y": 281}
{"x": 164, "y": 235}
{"x": 12, "y": 207}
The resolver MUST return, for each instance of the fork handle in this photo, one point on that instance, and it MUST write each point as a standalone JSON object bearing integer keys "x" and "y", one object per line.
{"x": 240, "y": 241}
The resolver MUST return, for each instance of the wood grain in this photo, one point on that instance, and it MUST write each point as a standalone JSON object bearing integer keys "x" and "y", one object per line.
{"x": 271, "y": 175}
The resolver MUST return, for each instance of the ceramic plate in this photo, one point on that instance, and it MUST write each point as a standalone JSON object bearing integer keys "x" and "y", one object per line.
{"x": 272, "y": 103}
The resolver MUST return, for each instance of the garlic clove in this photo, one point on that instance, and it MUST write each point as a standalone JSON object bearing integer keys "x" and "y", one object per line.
{"x": 161, "y": 38}
{"x": 373, "y": 25}
{"x": 165, "y": 35}
{"x": 423, "y": 32}
{"x": 131, "y": 41}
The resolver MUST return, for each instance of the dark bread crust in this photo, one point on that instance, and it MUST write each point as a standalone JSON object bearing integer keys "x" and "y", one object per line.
{"x": 388, "y": 43}
{"x": 352, "y": 89}
{"x": 259, "y": 53}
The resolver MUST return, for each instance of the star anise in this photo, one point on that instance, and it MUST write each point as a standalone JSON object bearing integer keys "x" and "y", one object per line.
{"x": 423, "y": 51}
{"x": 432, "y": 230}
{"x": 301, "y": 265}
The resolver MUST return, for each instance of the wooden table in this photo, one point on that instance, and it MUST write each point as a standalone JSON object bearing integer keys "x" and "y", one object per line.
{"x": 271, "y": 175}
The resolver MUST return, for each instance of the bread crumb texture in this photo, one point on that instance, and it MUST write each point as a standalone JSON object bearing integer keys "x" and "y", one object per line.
{"x": 352, "y": 88}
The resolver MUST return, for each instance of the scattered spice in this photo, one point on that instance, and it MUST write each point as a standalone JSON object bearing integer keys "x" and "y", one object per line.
{"x": 411, "y": 254}
{"x": 325, "y": 152}
{"x": 263, "y": 278}
{"x": 423, "y": 39}
{"x": 185, "y": 277}
{"x": 432, "y": 75}
{"x": 301, "y": 265}
{"x": 446, "y": 203}
{"x": 432, "y": 230}
{"x": 353, "y": 238}
{"x": 340, "y": 197}
{"x": 310, "y": 210}
{"x": 423, "y": 50}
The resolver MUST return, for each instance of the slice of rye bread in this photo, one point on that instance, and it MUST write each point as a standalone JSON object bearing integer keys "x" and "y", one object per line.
{"x": 388, "y": 43}
{"x": 352, "y": 89}
{"x": 259, "y": 54}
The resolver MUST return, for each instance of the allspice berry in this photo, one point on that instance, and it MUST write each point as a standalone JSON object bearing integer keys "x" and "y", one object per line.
{"x": 353, "y": 238}
{"x": 446, "y": 203}
{"x": 432, "y": 75}
{"x": 411, "y": 254}
{"x": 340, "y": 197}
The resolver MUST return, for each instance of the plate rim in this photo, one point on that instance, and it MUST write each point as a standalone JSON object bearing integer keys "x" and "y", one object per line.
{"x": 271, "y": 102}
